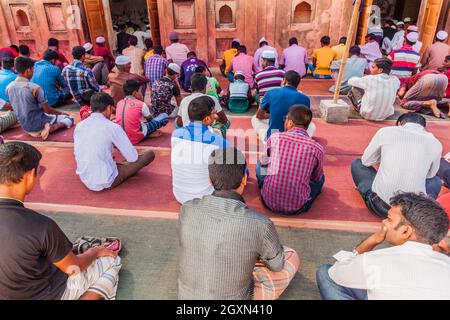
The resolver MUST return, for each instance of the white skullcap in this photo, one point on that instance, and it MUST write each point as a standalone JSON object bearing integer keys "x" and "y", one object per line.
{"x": 88, "y": 46}
{"x": 122, "y": 60}
{"x": 239, "y": 73}
{"x": 407, "y": 19}
{"x": 400, "y": 23}
{"x": 442, "y": 35}
{"x": 100, "y": 40}
{"x": 413, "y": 29}
{"x": 263, "y": 39}
{"x": 413, "y": 37}
{"x": 269, "y": 54}
{"x": 237, "y": 40}
{"x": 174, "y": 67}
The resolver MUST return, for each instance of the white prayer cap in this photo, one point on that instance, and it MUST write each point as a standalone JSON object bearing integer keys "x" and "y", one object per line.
{"x": 122, "y": 60}
{"x": 88, "y": 46}
{"x": 400, "y": 23}
{"x": 239, "y": 73}
{"x": 413, "y": 29}
{"x": 100, "y": 40}
{"x": 263, "y": 39}
{"x": 269, "y": 54}
{"x": 174, "y": 67}
{"x": 442, "y": 35}
{"x": 407, "y": 19}
{"x": 413, "y": 37}
{"x": 237, "y": 40}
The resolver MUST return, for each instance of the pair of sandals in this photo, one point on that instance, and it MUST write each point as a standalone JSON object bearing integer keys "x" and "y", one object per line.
{"x": 83, "y": 244}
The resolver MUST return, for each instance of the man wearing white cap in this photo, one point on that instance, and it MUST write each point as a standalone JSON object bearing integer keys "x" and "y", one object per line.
{"x": 96, "y": 63}
{"x": 270, "y": 77}
{"x": 164, "y": 89}
{"x": 264, "y": 46}
{"x": 435, "y": 54}
{"x": 101, "y": 50}
{"x": 116, "y": 80}
{"x": 141, "y": 35}
{"x": 397, "y": 41}
{"x": 405, "y": 60}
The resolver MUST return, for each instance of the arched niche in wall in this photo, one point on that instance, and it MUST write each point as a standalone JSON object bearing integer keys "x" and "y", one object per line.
{"x": 303, "y": 11}
{"x": 225, "y": 13}
{"x": 22, "y": 19}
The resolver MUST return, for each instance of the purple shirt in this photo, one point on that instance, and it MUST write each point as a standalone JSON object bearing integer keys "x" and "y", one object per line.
{"x": 259, "y": 53}
{"x": 188, "y": 69}
{"x": 295, "y": 59}
{"x": 246, "y": 64}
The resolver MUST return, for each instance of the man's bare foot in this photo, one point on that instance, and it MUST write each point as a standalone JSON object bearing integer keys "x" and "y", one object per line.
{"x": 155, "y": 134}
{"x": 433, "y": 105}
{"x": 46, "y": 132}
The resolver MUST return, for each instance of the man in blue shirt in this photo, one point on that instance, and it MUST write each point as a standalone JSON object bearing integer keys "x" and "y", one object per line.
{"x": 48, "y": 76}
{"x": 7, "y": 75}
{"x": 275, "y": 105}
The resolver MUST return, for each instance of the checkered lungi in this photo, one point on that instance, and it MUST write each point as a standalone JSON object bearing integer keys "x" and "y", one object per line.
{"x": 7, "y": 120}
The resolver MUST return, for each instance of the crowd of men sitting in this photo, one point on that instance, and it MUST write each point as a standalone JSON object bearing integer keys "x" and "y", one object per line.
{"x": 209, "y": 175}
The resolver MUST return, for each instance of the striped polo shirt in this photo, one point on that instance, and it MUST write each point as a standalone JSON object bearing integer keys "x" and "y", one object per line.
{"x": 405, "y": 60}
{"x": 268, "y": 79}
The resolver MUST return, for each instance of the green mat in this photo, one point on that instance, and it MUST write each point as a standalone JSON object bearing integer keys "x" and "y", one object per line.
{"x": 150, "y": 263}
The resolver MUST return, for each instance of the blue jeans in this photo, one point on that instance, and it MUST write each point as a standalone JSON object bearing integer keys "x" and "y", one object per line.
{"x": 330, "y": 290}
{"x": 157, "y": 123}
{"x": 316, "y": 190}
{"x": 364, "y": 177}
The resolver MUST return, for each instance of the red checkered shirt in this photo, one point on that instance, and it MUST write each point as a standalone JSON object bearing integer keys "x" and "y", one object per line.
{"x": 294, "y": 159}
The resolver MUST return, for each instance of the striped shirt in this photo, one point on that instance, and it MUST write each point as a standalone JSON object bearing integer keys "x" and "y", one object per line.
{"x": 239, "y": 89}
{"x": 380, "y": 92}
{"x": 221, "y": 241}
{"x": 408, "y": 155}
{"x": 404, "y": 61}
{"x": 154, "y": 68}
{"x": 268, "y": 79}
{"x": 294, "y": 160}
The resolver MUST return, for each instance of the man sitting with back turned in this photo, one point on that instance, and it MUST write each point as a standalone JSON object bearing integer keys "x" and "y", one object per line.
{"x": 36, "y": 260}
{"x": 229, "y": 252}
{"x": 409, "y": 270}
{"x": 409, "y": 159}
{"x": 95, "y": 139}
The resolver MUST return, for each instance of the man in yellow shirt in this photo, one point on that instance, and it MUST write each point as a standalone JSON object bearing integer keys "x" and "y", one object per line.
{"x": 149, "y": 48}
{"x": 340, "y": 48}
{"x": 322, "y": 59}
{"x": 228, "y": 56}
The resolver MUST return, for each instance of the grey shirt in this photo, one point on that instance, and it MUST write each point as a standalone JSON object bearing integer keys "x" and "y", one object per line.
{"x": 221, "y": 241}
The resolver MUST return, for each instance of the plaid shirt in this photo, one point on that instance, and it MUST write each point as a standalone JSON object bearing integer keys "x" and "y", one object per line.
{"x": 49, "y": 78}
{"x": 294, "y": 160}
{"x": 79, "y": 79}
{"x": 154, "y": 68}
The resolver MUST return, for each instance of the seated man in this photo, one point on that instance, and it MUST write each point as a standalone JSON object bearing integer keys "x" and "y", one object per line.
{"x": 444, "y": 171}
{"x": 405, "y": 60}
{"x": 189, "y": 146}
{"x": 48, "y": 76}
{"x": 409, "y": 270}
{"x": 7, "y": 75}
{"x": 371, "y": 50}
{"x": 373, "y": 96}
{"x": 356, "y": 67}
{"x": 409, "y": 159}
{"x": 130, "y": 111}
{"x": 95, "y": 139}
{"x": 239, "y": 96}
{"x": 35, "y": 116}
{"x": 425, "y": 93}
{"x": 229, "y": 252}
{"x": 198, "y": 87}
{"x": 275, "y": 106}
{"x": 97, "y": 64}
{"x": 213, "y": 88}
{"x": 164, "y": 89}
{"x": 188, "y": 69}
{"x": 290, "y": 174}
{"x": 322, "y": 59}
{"x": 36, "y": 260}
{"x": 270, "y": 77}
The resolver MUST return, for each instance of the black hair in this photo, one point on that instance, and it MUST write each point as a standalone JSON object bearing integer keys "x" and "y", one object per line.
{"x": 235, "y": 44}
{"x": 355, "y": 50}
{"x": 7, "y": 63}
{"x": 292, "y": 41}
{"x": 52, "y": 42}
{"x": 198, "y": 82}
{"x": 412, "y": 117}
{"x": 158, "y": 50}
{"x": 424, "y": 214}
{"x": 148, "y": 43}
{"x": 133, "y": 40}
{"x": 100, "y": 101}
{"x": 226, "y": 169}
{"x": 131, "y": 86}
{"x": 24, "y": 49}
{"x": 242, "y": 49}
{"x": 264, "y": 43}
{"x": 343, "y": 40}
{"x": 78, "y": 52}
{"x": 16, "y": 48}
{"x": 301, "y": 115}
{"x": 200, "y": 108}
{"x": 325, "y": 40}
{"x": 86, "y": 96}
{"x": 191, "y": 54}
{"x": 239, "y": 77}
{"x": 293, "y": 78}
{"x": 200, "y": 69}
{"x": 50, "y": 55}
{"x": 22, "y": 64}
{"x": 385, "y": 64}
{"x": 16, "y": 159}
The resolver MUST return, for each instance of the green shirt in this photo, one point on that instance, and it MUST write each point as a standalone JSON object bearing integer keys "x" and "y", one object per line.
{"x": 211, "y": 87}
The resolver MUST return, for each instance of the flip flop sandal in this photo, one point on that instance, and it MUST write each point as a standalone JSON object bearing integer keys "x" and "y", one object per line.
{"x": 442, "y": 116}
{"x": 83, "y": 244}
{"x": 113, "y": 244}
